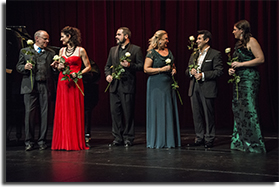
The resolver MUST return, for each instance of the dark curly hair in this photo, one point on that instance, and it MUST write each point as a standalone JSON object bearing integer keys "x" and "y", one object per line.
{"x": 243, "y": 25}
{"x": 75, "y": 39}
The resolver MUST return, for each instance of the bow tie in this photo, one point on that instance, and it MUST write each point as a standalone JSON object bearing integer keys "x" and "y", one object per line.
{"x": 39, "y": 50}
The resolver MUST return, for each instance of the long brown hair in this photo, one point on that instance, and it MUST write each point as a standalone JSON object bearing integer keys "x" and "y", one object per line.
{"x": 243, "y": 25}
{"x": 75, "y": 39}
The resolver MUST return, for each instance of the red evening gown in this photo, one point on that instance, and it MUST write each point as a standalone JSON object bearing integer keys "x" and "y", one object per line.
{"x": 68, "y": 127}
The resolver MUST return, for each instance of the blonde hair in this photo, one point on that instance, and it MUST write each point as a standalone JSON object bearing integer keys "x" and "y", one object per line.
{"x": 153, "y": 42}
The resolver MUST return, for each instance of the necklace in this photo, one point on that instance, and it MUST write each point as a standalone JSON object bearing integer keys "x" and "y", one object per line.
{"x": 69, "y": 52}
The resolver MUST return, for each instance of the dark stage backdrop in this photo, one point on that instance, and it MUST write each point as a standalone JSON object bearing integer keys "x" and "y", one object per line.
{"x": 99, "y": 20}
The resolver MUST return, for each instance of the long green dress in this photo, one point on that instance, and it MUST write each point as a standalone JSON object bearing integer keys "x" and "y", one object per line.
{"x": 162, "y": 122}
{"x": 246, "y": 132}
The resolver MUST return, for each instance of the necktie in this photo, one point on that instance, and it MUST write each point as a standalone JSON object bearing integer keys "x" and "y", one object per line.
{"x": 39, "y": 50}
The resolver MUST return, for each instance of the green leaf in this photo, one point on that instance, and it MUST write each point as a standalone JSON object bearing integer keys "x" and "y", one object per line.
{"x": 64, "y": 78}
{"x": 62, "y": 60}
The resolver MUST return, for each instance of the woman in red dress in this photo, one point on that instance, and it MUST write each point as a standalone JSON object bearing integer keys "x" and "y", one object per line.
{"x": 68, "y": 127}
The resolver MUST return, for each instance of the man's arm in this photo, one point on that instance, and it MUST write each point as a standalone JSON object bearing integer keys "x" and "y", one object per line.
{"x": 20, "y": 66}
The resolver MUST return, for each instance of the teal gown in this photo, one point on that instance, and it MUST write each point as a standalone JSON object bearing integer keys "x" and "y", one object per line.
{"x": 246, "y": 132}
{"x": 162, "y": 122}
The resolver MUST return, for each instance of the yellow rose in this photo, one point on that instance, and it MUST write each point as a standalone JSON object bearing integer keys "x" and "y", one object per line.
{"x": 228, "y": 50}
{"x": 191, "y": 38}
{"x": 56, "y": 58}
{"x": 168, "y": 61}
{"x": 127, "y": 54}
{"x": 30, "y": 42}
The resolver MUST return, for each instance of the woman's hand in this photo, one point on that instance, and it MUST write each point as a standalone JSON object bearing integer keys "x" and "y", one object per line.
{"x": 54, "y": 64}
{"x": 236, "y": 65}
{"x": 173, "y": 72}
{"x": 166, "y": 68}
{"x": 231, "y": 71}
{"x": 60, "y": 66}
{"x": 74, "y": 75}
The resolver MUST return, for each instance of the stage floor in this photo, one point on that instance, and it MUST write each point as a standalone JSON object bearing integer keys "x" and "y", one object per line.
{"x": 141, "y": 164}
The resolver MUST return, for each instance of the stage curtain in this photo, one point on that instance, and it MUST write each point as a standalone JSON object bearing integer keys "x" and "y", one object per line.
{"x": 99, "y": 21}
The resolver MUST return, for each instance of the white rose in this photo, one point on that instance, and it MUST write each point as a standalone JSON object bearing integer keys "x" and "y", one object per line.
{"x": 168, "y": 61}
{"x": 30, "y": 42}
{"x": 56, "y": 58}
{"x": 227, "y": 50}
{"x": 191, "y": 38}
{"x": 127, "y": 54}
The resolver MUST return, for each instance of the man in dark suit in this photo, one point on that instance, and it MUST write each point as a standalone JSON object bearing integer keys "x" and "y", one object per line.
{"x": 39, "y": 90}
{"x": 122, "y": 92}
{"x": 203, "y": 88}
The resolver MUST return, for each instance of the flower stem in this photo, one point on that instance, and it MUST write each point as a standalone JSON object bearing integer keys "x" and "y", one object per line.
{"x": 177, "y": 91}
{"x": 107, "y": 87}
{"x": 179, "y": 97}
{"x": 79, "y": 88}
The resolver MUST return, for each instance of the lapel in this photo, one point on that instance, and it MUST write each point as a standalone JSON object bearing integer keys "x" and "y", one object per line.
{"x": 206, "y": 56}
{"x": 116, "y": 54}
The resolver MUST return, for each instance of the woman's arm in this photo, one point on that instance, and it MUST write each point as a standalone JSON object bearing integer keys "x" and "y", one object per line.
{"x": 255, "y": 47}
{"x": 152, "y": 71}
{"x": 85, "y": 60}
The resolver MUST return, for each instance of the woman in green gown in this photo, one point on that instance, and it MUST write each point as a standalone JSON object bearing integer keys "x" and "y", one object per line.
{"x": 246, "y": 132}
{"x": 162, "y": 121}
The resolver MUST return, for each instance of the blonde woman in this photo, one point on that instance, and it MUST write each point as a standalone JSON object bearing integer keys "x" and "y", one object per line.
{"x": 162, "y": 121}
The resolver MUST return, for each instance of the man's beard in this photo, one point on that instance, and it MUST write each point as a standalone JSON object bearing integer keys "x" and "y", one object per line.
{"x": 121, "y": 42}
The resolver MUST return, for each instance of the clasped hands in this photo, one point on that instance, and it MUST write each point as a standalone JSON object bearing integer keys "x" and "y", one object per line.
{"x": 198, "y": 76}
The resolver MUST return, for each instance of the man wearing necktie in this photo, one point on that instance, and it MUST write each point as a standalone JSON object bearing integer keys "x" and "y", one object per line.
{"x": 203, "y": 88}
{"x": 38, "y": 91}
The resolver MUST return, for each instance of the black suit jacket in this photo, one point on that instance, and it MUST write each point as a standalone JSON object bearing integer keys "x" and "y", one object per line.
{"x": 46, "y": 56}
{"x": 127, "y": 83}
{"x": 212, "y": 67}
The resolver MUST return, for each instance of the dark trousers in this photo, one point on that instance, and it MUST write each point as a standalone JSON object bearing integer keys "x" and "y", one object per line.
{"x": 32, "y": 101}
{"x": 203, "y": 110}
{"x": 122, "y": 113}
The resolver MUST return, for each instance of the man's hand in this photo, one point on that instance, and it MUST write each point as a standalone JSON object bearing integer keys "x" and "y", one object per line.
{"x": 193, "y": 71}
{"x": 198, "y": 76}
{"x": 54, "y": 64}
{"x": 109, "y": 78}
{"x": 28, "y": 66}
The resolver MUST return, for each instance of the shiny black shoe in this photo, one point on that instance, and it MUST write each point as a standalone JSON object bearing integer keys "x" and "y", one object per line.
{"x": 29, "y": 147}
{"x": 196, "y": 144}
{"x": 114, "y": 144}
{"x": 208, "y": 145}
{"x": 128, "y": 144}
{"x": 43, "y": 147}
{"x": 87, "y": 140}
